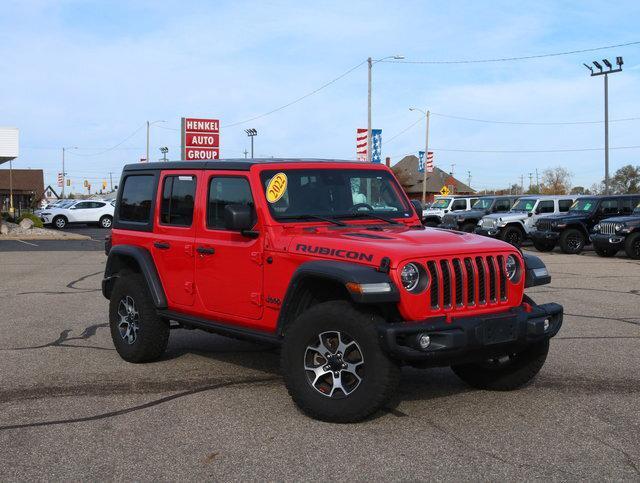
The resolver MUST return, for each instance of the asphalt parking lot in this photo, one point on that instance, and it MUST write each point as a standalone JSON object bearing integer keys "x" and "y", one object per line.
{"x": 95, "y": 243}
{"x": 216, "y": 408}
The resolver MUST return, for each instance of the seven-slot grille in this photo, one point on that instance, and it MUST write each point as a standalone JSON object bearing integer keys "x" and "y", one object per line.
{"x": 471, "y": 281}
{"x": 608, "y": 228}
{"x": 488, "y": 222}
{"x": 543, "y": 225}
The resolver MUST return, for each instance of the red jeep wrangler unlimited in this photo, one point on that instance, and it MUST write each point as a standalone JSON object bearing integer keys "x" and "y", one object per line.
{"x": 329, "y": 260}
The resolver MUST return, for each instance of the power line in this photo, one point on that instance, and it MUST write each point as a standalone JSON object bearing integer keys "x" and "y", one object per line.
{"x": 527, "y": 123}
{"x": 509, "y": 59}
{"x": 404, "y": 130}
{"x": 515, "y": 151}
{"x": 115, "y": 146}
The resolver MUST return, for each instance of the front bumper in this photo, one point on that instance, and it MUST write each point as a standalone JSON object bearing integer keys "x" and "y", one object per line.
{"x": 546, "y": 235}
{"x": 490, "y": 232}
{"x": 600, "y": 240}
{"x": 46, "y": 220}
{"x": 468, "y": 339}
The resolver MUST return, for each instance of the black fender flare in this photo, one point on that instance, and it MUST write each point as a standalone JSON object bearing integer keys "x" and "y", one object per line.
{"x": 580, "y": 226}
{"x": 143, "y": 259}
{"x": 536, "y": 272}
{"x": 340, "y": 273}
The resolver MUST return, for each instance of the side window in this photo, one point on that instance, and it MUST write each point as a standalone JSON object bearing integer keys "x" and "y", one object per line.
{"x": 97, "y": 204}
{"x": 137, "y": 194}
{"x": 564, "y": 205}
{"x": 627, "y": 205}
{"x": 473, "y": 201}
{"x": 178, "y": 193}
{"x": 83, "y": 205}
{"x": 545, "y": 207}
{"x": 609, "y": 207}
{"x": 459, "y": 205}
{"x": 223, "y": 191}
{"x": 502, "y": 205}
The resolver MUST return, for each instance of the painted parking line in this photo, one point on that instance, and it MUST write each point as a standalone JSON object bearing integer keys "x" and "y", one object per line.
{"x": 27, "y": 243}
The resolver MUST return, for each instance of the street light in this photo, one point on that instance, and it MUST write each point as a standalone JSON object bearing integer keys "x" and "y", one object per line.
{"x": 370, "y": 63}
{"x": 251, "y": 133}
{"x": 427, "y": 115}
{"x": 149, "y": 124}
{"x": 64, "y": 174}
{"x": 606, "y": 73}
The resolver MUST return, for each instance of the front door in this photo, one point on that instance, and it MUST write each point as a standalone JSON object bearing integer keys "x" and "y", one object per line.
{"x": 81, "y": 212}
{"x": 174, "y": 235}
{"x": 228, "y": 263}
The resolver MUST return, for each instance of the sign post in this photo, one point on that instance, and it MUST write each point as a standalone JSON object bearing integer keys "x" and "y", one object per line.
{"x": 200, "y": 139}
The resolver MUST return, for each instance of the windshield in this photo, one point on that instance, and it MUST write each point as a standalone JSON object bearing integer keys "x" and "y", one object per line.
{"x": 524, "y": 204}
{"x": 483, "y": 204}
{"x": 636, "y": 211}
{"x": 333, "y": 193}
{"x": 441, "y": 203}
{"x": 584, "y": 204}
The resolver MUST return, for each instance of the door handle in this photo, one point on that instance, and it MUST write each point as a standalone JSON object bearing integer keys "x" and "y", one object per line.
{"x": 161, "y": 245}
{"x": 205, "y": 250}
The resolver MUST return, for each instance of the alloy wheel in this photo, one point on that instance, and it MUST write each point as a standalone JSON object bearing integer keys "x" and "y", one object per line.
{"x": 334, "y": 364}
{"x": 129, "y": 323}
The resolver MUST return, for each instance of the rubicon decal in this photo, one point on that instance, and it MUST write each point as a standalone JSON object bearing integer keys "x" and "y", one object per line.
{"x": 334, "y": 252}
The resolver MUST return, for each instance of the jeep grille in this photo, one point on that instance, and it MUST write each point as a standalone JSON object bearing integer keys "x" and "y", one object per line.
{"x": 543, "y": 225}
{"x": 459, "y": 283}
{"x": 607, "y": 228}
{"x": 488, "y": 223}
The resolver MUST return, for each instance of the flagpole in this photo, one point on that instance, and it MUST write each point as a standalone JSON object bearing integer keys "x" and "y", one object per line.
{"x": 426, "y": 160}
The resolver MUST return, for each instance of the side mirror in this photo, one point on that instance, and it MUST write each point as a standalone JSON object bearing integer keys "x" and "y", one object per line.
{"x": 239, "y": 218}
{"x": 530, "y": 214}
{"x": 418, "y": 207}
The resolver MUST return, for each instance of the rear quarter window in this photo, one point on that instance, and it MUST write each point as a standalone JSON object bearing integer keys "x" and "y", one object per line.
{"x": 136, "y": 201}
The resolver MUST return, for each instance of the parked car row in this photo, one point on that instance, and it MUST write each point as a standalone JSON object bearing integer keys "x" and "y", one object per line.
{"x": 611, "y": 223}
{"x": 64, "y": 212}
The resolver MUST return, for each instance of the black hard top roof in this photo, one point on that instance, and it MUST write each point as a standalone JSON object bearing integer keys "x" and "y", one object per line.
{"x": 235, "y": 164}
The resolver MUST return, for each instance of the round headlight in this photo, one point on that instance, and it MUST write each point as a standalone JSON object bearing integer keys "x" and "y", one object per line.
{"x": 618, "y": 226}
{"x": 410, "y": 276}
{"x": 596, "y": 227}
{"x": 511, "y": 267}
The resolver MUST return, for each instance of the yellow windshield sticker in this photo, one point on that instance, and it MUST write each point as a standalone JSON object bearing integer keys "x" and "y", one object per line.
{"x": 276, "y": 187}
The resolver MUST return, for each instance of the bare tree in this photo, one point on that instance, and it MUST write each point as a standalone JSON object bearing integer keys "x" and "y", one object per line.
{"x": 555, "y": 181}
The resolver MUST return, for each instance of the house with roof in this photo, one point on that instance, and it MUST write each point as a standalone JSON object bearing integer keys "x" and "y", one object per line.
{"x": 406, "y": 170}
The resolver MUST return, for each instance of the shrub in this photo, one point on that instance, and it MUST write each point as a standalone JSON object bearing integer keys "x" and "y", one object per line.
{"x": 37, "y": 222}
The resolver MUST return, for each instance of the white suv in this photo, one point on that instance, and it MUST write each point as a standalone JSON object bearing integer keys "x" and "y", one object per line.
{"x": 432, "y": 216}
{"x": 515, "y": 225}
{"x": 84, "y": 211}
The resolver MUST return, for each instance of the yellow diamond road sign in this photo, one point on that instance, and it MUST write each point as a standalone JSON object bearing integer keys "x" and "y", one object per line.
{"x": 444, "y": 191}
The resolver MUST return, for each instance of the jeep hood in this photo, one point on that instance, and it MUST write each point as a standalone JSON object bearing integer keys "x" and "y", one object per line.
{"x": 510, "y": 216}
{"x": 397, "y": 243}
{"x": 633, "y": 219}
{"x": 469, "y": 213}
{"x": 567, "y": 217}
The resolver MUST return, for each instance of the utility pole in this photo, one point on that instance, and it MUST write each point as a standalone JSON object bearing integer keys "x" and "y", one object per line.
{"x": 251, "y": 133}
{"x": 606, "y": 73}
{"x": 427, "y": 115}
{"x": 11, "y": 186}
{"x": 522, "y": 184}
{"x": 149, "y": 124}
{"x": 537, "y": 180}
{"x": 452, "y": 166}
{"x": 469, "y": 178}
{"x": 64, "y": 173}
{"x": 530, "y": 180}
{"x": 245, "y": 153}
{"x": 111, "y": 179}
{"x": 164, "y": 150}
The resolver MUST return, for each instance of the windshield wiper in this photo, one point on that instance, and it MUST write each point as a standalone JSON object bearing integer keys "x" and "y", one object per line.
{"x": 312, "y": 217}
{"x": 377, "y": 217}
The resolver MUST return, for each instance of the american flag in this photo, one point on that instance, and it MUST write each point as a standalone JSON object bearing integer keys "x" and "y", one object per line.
{"x": 376, "y": 142}
{"x": 429, "y": 162}
{"x": 60, "y": 180}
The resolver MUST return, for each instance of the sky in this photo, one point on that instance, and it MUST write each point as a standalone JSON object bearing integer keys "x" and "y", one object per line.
{"x": 91, "y": 74}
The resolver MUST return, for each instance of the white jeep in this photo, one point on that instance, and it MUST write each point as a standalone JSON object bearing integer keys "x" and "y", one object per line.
{"x": 432, "y": 216}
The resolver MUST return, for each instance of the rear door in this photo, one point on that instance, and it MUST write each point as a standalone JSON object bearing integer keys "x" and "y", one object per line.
{"x": 80, "y": 212}
{"x": 228, "y": 264}
{"x": 174, "y": 235}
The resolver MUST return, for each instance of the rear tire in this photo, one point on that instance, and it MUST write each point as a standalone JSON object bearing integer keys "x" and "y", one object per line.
{"x": 542, "y": 246}
{"x": 59, "y": 222}
{"x": 632, "y": 246}
{"x": 572, "y": 241}
{"x": 315, "y": 366}
{"x": 138, "y": 333}
{"x": 105, "y": 221}
{"x": 518, "y": 370}
{"x": 513, "y": 235}
{"x": 605, "y": 252}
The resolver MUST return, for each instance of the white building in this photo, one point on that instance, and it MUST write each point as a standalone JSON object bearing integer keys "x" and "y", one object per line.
{"x": 8, "y": 144}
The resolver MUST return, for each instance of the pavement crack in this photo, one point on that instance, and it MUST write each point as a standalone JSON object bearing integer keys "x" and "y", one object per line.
{"x": 617, "y": 319}
{"x": 87, "y": 333}
{"x": 630, "y": 461}
{"x": 84, "y": 277}
{"x": 139, "y": 407}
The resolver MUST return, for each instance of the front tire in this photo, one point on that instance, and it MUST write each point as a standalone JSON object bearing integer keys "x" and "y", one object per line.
{"x": 513, "y": 235}
{"x": 542, "y": 246}
{"x": 106, "y": 221}
{"x": 138, "y": 334}
{"x": 506, "y": 373}
{"x": 632, "y": 246}
{"x": 572, "y": 241}
{"x": 333, "y": 365}
{"x": 60, "y": 222}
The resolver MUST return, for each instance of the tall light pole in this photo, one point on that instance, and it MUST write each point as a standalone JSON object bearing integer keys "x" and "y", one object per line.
{"x": 427, "y": 115}
{"x": 370, "y": 63}
{"x": 606, "y": 73}
{"x": 251, "y": 133}
{"x": 164, "y": 150}
{"x": 149, "y": 124}
{"x": 64, "y": 174}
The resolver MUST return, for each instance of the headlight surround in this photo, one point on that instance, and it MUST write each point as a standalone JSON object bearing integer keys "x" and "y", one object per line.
{"x": 619, "y": 226}
{"x": 414, "y": 277}
{"x": 596, "y": 227}
{"x": 45, "y": 214}
{"x": 512, "y": 268}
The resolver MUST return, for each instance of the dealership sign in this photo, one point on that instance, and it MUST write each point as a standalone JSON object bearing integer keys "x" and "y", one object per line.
{"x": 200, "y": 139}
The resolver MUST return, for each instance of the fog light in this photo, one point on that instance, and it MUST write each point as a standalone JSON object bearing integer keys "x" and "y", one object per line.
{"x": 546, "y": 325}
{"x": 424, "y": 341}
